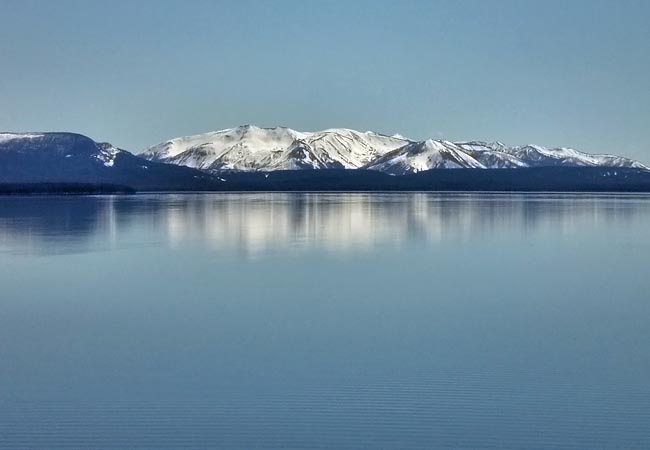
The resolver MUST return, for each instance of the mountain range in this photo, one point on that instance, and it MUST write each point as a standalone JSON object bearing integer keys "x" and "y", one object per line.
{"x": 253, "y": 158}
{"x": 250, "y": 148}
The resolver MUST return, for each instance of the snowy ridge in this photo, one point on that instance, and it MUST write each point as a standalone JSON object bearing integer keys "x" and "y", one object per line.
{"x": 537, "y": 156}
{"x": 6, "y": 137}
{"x": 419, "y": 156}
{"x": 250, "y": 148}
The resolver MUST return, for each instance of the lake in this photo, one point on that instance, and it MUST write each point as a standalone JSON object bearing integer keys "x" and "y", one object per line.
{"x": 325, "y": 321}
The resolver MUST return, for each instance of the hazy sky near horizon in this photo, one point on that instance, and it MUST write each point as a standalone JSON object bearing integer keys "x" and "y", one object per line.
{"x": 571, "y": 73}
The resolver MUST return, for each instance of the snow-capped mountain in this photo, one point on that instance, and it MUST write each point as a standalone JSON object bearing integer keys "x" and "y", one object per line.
{"x": 419, "y": 156}
{"x": 250, "y": 148}
{"x": 536, "y": 156}
{"x": 492, "y": 155}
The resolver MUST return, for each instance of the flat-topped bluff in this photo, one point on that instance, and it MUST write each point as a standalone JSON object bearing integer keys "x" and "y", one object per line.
{"x": 61, "y": 157}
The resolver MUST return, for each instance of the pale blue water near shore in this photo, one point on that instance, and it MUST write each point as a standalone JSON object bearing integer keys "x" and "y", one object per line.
{"x": 325, "y": 321}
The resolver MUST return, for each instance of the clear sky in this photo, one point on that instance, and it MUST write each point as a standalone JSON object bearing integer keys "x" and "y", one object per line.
{"x": 571, "y": 73}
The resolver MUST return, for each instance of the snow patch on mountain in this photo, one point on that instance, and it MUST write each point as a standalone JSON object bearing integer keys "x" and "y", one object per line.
{"x": 107, "y": 154}
{"x": 6, "y": 137}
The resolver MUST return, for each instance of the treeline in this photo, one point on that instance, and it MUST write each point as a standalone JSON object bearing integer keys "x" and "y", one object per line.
{"x": 555, "y": 179}
{"x": 63, "y": 188}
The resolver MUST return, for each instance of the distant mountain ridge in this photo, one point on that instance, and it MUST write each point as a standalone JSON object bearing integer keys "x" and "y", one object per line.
{"x": 251, "y": 148}
{"x": 254, "y": 159}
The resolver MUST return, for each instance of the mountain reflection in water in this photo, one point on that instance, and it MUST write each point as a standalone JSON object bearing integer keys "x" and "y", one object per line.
{"x": 255, "y": 224}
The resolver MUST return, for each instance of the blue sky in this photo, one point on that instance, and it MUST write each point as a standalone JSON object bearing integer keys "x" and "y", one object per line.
{"x": 571, "y": 73}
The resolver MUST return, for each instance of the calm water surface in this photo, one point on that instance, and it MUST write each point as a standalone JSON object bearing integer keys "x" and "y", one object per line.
{"x": 325, "y": 321}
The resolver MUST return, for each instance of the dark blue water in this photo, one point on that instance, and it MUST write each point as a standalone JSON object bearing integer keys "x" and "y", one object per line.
{"x": 325, "y": 321}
